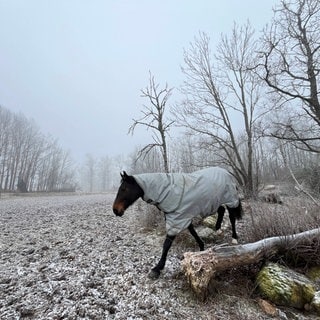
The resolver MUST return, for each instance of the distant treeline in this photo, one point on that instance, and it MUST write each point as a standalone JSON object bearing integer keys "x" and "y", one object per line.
{"x": 29, "y": 160}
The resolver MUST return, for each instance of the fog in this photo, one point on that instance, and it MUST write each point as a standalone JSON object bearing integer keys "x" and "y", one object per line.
{"x": 77, "y": 67}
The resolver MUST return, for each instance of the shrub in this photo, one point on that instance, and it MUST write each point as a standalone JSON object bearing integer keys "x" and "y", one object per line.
{"x": 296, "y": 215}
{"x": 310, "y": 176}
{"x": 150, "y": 218}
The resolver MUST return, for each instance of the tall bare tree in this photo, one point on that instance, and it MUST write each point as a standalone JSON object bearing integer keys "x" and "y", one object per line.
{"x": 28, "y": 157}
{"x": 104, "y": 173}
{"x": 90, "y": 168}
{"x": 222, "y": 99}
{"x": 154, "y": 118}
{"x": 291, "y": 66}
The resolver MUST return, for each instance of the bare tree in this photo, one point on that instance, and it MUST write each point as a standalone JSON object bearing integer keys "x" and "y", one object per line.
{"x": 153, "y": 118}
{"x": 290, "y": 67}
{"x": 104, "y": 173}
{"x": 185, "y": 156}
{"x": 151, "y": 162}
{"x": 222, "y": 99}
{"x": 27, "y": 156}
{"x": 90, "y": 168}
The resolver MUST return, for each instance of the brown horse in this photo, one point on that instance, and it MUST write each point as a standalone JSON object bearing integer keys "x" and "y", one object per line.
{"x": 182, "y": 197}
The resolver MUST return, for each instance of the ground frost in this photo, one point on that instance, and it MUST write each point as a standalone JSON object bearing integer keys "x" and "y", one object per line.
{"x": 70, "y": 257}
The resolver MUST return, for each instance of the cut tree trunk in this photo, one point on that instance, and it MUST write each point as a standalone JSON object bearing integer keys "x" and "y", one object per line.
{"x": 201, "y": 267}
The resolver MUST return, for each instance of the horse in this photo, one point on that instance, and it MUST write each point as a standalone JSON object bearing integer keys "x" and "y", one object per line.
{"x": 182, "y": 197}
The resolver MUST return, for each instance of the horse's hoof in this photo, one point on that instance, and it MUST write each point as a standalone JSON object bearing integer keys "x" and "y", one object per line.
{"x": 234, "y": 241}
{"x": 153, "y": 275}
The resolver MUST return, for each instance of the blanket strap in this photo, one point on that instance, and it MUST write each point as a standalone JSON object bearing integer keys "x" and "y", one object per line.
{"x": 155, "y": 203}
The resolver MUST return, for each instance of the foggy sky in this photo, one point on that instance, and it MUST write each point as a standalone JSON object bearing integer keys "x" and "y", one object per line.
{"x": 77, "y": 67}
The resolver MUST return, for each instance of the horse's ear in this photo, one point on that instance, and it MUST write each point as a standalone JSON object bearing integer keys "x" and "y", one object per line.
{"x": 123, "y": 175}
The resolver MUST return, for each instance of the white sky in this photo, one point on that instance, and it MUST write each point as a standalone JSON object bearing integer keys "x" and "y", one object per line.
{"x": 77, "y": 66}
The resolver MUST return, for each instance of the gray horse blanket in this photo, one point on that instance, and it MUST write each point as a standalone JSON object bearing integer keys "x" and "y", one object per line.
{"x": 183, "y": 196}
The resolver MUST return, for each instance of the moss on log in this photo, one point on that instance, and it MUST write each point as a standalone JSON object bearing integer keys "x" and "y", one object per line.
{"x": 286, "y": 287}
{"x": 210, "y": 222}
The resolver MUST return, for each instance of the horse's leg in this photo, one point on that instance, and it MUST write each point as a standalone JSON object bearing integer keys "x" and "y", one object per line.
{"x": 232, "y": 216}
{"x": 220, "y": 211}
{"x": 155, "y": 272}
{"x": 195, "y": 235}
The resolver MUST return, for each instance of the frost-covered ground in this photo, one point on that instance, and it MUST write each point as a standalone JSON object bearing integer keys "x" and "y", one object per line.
{"x": 69, "y": 257}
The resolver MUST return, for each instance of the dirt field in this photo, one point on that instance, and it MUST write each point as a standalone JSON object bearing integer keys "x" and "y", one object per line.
{"x": 69, "y": 257}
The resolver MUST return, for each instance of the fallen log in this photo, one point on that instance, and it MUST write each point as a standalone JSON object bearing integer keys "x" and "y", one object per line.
{"x": 201, "y": 267}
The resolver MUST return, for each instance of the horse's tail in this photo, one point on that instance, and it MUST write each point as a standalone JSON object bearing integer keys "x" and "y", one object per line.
{"x": 239, "y": 211}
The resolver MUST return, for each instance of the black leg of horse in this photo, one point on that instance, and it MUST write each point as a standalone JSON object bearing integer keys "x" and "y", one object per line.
{"x": 220, "y": 211}
{"x": 195, "y": 235}
{"x": 232, "y": 217}
{"x": 155, "y": 272}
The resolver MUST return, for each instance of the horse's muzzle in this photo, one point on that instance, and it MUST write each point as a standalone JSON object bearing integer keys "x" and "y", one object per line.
{"x": 117, "y": 212}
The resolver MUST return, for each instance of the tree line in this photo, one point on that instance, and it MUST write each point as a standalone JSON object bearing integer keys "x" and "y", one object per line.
{"x": 29, "y": 160}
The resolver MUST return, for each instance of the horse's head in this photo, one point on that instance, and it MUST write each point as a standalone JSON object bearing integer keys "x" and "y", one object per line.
{"x": 129, "y": 191}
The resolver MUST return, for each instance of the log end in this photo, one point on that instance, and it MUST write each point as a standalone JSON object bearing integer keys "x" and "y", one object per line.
{"x": 199, "y": 270}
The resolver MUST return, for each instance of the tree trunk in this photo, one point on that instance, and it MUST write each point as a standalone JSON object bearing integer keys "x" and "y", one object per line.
{"x": 200, "y": 267}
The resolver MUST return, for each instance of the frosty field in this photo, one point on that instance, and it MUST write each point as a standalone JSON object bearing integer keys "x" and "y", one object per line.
{"x": 69, "y": 257}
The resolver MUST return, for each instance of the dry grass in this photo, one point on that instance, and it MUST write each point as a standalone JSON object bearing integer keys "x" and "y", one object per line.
{"x": 296, "y": 215}
{"x": 268, "y": 220}
{"x": 149, "y": 218}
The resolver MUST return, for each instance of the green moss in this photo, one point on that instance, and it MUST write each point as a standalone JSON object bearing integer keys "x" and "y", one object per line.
{"x": 210, "y": 222}
{"x": 284, "y": 286}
